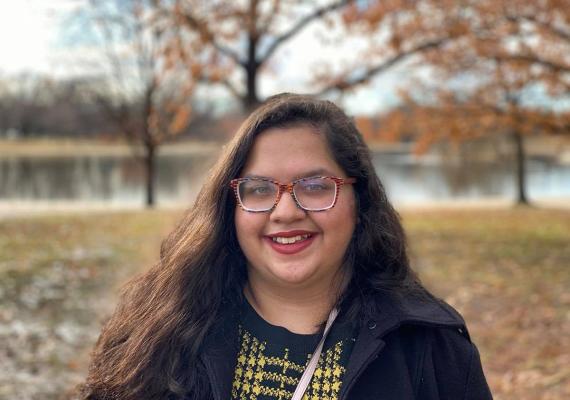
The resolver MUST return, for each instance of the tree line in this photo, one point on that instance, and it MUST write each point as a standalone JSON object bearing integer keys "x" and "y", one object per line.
{"x": 38, "y": 106}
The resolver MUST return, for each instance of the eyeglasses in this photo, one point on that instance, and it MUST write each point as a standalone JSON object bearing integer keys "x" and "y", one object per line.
{"x": 317, "y": 193}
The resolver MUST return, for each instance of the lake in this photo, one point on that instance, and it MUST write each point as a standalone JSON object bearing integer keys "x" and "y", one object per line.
{"x": 117, "y": 178}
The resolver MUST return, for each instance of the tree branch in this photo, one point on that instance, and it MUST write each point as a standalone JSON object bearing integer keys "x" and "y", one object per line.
{"x": 225, "y": 83}
{"x": 265, "y": 25}
{"x": 534, "y": 59}
{"x": 210, "y": 37}
{"x": 564, "y": 35}
{"x": 386, "y": 64}
{"x": 298, "y": 27}
{"x": 231, "y": 87}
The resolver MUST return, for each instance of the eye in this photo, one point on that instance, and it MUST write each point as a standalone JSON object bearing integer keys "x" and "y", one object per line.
{"x": 258, "y": 188}
{"x": 313, "y": 186}
{"x": 316, "y": 185}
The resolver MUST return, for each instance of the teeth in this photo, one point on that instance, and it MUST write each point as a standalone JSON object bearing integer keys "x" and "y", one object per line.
{"x": 290, "y": 240}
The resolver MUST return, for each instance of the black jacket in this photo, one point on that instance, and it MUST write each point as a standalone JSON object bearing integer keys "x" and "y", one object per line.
{"x": 407, "y": 348}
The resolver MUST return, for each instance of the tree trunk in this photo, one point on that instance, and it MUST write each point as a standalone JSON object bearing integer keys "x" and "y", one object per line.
{"x": 251, "y": 99}
{"x": 522, "y": 198}
{"x": 149, "y": 162}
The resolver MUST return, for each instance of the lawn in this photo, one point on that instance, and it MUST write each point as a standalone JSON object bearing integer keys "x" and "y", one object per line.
{"x": 506, "y": 271}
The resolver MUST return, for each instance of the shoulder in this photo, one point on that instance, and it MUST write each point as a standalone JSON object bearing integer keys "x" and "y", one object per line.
{"x": 439, "y": 347}
{"x": 444, "y": 361}
{"x": 433, "y": 338}
{"x": 423, "y": 323}
{"x": 418, "y": 308}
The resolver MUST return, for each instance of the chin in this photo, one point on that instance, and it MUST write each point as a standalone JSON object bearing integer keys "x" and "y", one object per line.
{"x": 293, "y": 275}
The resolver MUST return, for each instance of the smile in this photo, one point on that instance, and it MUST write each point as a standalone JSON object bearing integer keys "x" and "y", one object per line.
{"x": 288, "y": 243}
{"x": 290, "y": 240}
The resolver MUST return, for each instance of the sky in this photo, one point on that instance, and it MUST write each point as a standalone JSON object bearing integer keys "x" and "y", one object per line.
{"x": 31, "y": 36}
{"x": 25, "y": 36}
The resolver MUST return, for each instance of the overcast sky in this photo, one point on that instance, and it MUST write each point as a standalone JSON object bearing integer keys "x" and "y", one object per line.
{"x": 30, "y": 41}
{"x": 29, "y": 32}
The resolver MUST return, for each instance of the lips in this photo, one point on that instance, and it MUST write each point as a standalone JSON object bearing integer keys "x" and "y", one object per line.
{"x": 290, "y": 242}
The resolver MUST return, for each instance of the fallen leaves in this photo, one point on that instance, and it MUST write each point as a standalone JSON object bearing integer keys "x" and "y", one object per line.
{"x": 506, "y": 271}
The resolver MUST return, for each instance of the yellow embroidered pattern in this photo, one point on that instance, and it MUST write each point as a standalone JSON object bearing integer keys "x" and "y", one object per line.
{"x": 258, "y": 375}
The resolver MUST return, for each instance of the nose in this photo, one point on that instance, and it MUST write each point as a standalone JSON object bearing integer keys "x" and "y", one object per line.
{"x": 286, "y": 209}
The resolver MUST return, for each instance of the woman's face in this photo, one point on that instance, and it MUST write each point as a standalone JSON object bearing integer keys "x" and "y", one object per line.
{"x": 284, "y": 155}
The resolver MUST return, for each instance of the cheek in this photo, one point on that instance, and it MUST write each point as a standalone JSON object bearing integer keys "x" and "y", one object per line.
{"x": 339, "y": 224}
{"x": 346, "y": 220}
{"x": 248, "y": 226}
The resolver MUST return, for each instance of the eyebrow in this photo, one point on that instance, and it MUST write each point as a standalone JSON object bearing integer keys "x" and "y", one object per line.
{"x": 308, "y": 174}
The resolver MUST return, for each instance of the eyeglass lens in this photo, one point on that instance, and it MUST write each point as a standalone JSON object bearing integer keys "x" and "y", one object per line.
{"x": 311, "y": 193}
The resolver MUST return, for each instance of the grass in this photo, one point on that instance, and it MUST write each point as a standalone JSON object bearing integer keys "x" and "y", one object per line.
{"x": 506, "y": 271}
{"x": 59, "y": 278}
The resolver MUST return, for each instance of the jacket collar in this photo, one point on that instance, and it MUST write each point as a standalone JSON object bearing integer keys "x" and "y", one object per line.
{"x": 389, "y": 311}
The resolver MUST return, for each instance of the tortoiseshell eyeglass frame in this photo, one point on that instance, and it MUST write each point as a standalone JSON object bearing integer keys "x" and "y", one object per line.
{"x": 288, "y": 187}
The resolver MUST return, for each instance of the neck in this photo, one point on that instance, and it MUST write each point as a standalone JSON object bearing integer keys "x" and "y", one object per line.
{"x": 299, "y": 311}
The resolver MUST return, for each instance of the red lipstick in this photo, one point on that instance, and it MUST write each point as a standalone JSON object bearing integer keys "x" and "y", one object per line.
{"x": 291, "y": 248}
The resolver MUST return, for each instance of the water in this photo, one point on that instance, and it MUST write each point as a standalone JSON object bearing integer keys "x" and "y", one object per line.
{"x": 119, "y": 179}
{"x": 113, "y": 179}
{"x": 414, "y": 180}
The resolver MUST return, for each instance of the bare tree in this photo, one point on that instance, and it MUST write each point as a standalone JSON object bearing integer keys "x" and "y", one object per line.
{"x": 24, "y": 103}
{"x": 5, "y": 108}
{"x": 139, "y": 88}
{"x": 35, "y": 105}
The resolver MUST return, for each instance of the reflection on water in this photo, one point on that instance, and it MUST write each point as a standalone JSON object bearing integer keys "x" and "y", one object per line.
{"x": 118, "y": 179}
{"x": 101, "y": 178}
{"x": 410, "y": 179}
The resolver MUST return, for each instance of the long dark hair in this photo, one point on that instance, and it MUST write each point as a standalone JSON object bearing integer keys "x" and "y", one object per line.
{"x": 158, "y": 329}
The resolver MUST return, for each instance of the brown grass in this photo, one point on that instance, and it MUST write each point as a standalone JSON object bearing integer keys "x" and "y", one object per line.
{"x": 506, "y": 271}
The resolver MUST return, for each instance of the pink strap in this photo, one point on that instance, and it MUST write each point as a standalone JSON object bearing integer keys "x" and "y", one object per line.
{"x": 312, "y": 366}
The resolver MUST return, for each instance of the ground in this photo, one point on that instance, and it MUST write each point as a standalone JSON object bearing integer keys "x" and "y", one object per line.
{"x": 506, "y": 270}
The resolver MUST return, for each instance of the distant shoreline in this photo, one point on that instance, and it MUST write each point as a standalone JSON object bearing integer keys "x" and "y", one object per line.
{"x": 68, "y": 147}
{"x": 10, "y": 209}
{"x": 556, "y": 148}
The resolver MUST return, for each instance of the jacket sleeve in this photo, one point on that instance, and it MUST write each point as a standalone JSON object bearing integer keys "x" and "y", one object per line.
{"x": 476, "y": 387}
{"x": 455, "y": 366}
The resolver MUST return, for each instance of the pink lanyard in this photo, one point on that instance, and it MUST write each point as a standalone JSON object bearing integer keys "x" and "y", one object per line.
{"x": 312, "y": 365}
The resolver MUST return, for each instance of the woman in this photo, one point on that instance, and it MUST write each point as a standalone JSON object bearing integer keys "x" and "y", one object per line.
{"x": 292, "y": 234}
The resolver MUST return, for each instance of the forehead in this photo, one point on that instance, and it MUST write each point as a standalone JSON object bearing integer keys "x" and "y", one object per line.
{"x": 289, "y": 153}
